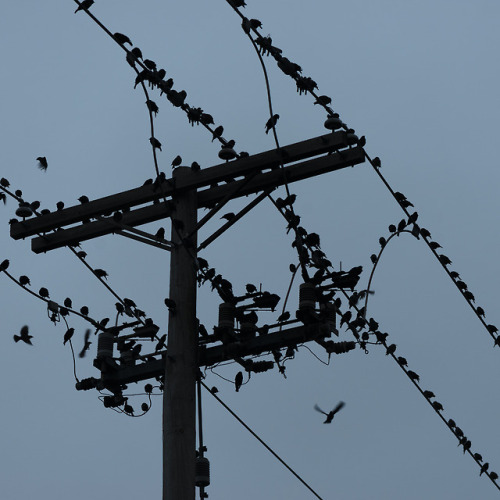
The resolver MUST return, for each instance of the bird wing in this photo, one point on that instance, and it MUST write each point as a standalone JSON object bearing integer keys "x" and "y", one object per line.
{"x": 24, "y": 331}
{"x": 338, "y": 407}
{"x": 317, "y": 408}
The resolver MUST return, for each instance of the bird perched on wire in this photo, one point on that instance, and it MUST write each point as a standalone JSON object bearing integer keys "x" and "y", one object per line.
{"x": 42, "y": 163}
{"x": 25, "y": 336}
{"x": 238, "y": 380}
{"x": 85, "y": 5}
{"x": 122, "y": 39}
{"x": 272, "y": 122}
{"x": 331, "y": 414}
{"x": 155, "y": 143}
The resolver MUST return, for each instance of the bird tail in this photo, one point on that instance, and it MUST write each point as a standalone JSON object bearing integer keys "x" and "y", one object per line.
{"x": 17, "y": 338}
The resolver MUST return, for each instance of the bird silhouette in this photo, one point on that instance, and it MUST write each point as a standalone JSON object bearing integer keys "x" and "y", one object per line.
{"x": 493, "y": 475}
{"x": 176, "y": 161}
{"x": 331, "y": 414}
{"x": 484, "y": 467}
{"x": 217, "y": 132}
{"x": 160, "y": 234}
{"x": 413, "y": 376}
{"x": 85, "y": 5}
{"x": 83, "y": 199}
{"x": 171, "y": 305}
{"x": 84, "y": 310}
{"x": 24, "y": 336}
{"x": 271, "y": 122}
{"x": 229, "y": 216}
{"x": 86, "y": 343}
{"x": 152, "y": 106}
{"x": 195, "y": 166}
{"x": 69, "y": 333}
{"x": 122, "y": 39}
{"x": 250, "y": 288}
{"x": 323, "y": 100}
{"x": 24, "y": 280}
{"x": 155, "y": 143}
{"x": 43, "y": 292}
{"x": 101, "y": 273}
{"x": 238, "y": 380}
{"x": 42, "y": 163}
{"x": 284, "y": 317}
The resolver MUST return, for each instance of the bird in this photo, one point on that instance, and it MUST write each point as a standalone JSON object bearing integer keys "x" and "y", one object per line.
{"x": 161, "y": 343}
{"x": 484, "y": 467}
{"x": 195, "y": 166}
{"x": 238, "y": 380}
{"x": 85, "y": 5}
{"x": 101, "y": 273}
{"x": 429, "y": 394}
{"x": 68, "y": 303}
{"x": 4, "y": 265}
{"x": 25, "y": 336}
{"x": 171, "y": 305}
{"x": 155, "y": 143}
{"x": 43, "y": 292}
{"x": 214, "y": 390}
{"x": 217, "y": 132}
{"x": 86, "y": 344}
{"x": 284, "y": 317}
{"x": 413, "y": 375}
{"x": 83, "y": 199}
{"x": 250, "y": 288}
{"x": 152, "y": 106}
{"x": 160, "y": 234}
{"x": 122, "y": 39}
{"x": 84, "y": 310}
{"x": 323, "y": 100}
{"x": 391, "y": 349}
{"x": 69, "y": 333}
{"x": 444, "y": 260}
{"x": 478, "y": 457}
{"x": 437, "y": 405}
{"x": 229, "y": 216}
{"x": 271, "y": 122}
{"x": 331, "y": 414}
{"x": 42, "y": 163}
{"x": 480, "y": 311}
{"x": 24, "y": 280}
{"x": 493, "y": 475}
{"x": 176, "y": 161}
{"x": 60, "y": 205}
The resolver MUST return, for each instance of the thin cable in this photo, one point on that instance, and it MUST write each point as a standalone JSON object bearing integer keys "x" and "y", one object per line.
{"x": 268, "y": 448}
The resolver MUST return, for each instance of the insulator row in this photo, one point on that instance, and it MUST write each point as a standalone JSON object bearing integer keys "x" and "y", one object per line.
{"x": 339, "y": 347}
{"x": 105, "y": 343}
{"x": 307, "y": 296}
{"x": 86, "y": 384}
{"x": 260, "y": 366}
{"x": 202, "y": 472}
{"x": 248, "y": 331}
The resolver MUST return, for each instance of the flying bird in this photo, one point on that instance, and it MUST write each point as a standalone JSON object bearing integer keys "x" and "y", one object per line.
{"x": 271, "y": 122}
{"x": 86, "y": 344}
{"x": 331, "y": 414}
{"x": 42, "y": 163}
{"x": 85, "y": 5}
{"x": 25, "y": 337}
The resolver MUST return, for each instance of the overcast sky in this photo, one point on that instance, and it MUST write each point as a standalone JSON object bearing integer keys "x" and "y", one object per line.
{"x": 420, "y": 80}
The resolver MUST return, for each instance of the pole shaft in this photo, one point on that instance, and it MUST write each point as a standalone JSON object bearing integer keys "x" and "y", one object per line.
{"x": 179, "y": 402}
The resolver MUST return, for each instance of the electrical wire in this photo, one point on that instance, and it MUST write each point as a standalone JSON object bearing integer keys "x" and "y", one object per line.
{"x": 261, "y": 441}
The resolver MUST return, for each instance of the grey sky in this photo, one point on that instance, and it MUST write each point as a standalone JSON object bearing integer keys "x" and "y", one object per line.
{"x": 420, "y": 81}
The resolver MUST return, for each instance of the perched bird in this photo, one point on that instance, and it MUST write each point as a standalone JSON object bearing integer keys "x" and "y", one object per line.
{"x": 238, "y": 380}
{"x": 478, "y": 457}
{"x": 86, "y": 344}
{"x": 172, "y": 306}
{"x": 444, "y": 260}
{"x": 176, "y": 161}
{"x": 480, "y": 311}
{"x": 493, "y": 475}
{"x": 331, "y": 414}
{"x": 81, "y": 254}
{"x": 437, "y": 405}
{"x": 4, "y": 265}
{"x": 284, "y": 317}
{"x": 217, "y": 132}
{"x": 25, "y": 336}
{"x": 160, "y": 234}
{"x": 43, "y": 292}
{"x": 484, "y": 467}
{"x": 391, "y": 349}
{"x": 435, "y": 245}
{"x": 229, "y": 216}
{"x": 214, "y": 390}
{"x": 402, "y": 361}
{"x": 323, "y": 100}
{"x": 429, "y": 394}
{"x": 60, "y": 205}
{"x": 413, "y": 376}
{"x": 68, "y": 303}
{"x": 122, "y": 39}
{"x": 101, "y": 273}
{"x": 152, "y": 106}
{"x": 24, "y": 280}
{"x": 250, "y": 288}
{"x": 195, "y": 166}
{"x": 84, "y": 310}
{"x": 69, "y": 333}
{"x": 272, "y": 122}
{"x": 83, "y": 199}
{"x": 155, "y": 143}
{"x": 42, "y": 163}
{"x": 85, "y": 5}
{"x": 161, "y": 343}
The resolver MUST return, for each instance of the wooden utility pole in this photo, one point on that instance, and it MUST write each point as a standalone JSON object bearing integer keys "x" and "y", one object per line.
{"x": 186, "y": 192}
{"x": 179, "y": 403}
